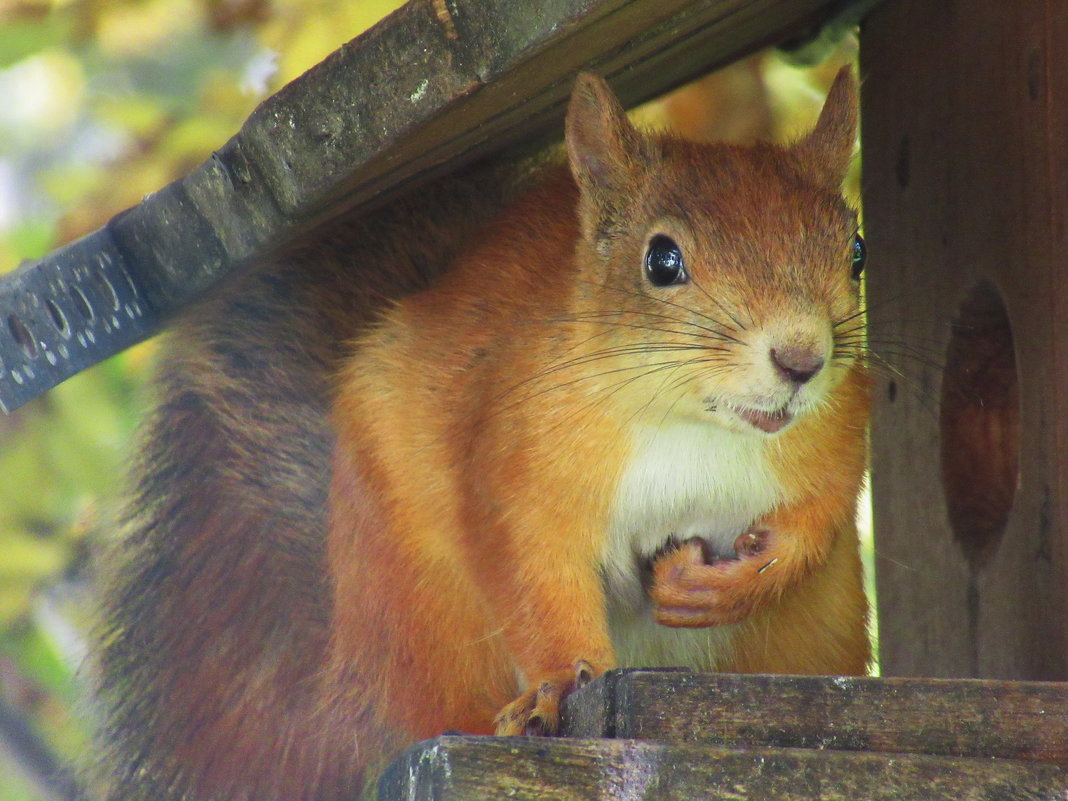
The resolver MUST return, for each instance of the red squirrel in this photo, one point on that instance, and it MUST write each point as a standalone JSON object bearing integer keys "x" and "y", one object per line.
{"x": 625, "y": 426}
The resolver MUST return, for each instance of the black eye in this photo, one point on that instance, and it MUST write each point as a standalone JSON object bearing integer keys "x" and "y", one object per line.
{"x": 860, "y": 255}
{"x": 663, "y": 262}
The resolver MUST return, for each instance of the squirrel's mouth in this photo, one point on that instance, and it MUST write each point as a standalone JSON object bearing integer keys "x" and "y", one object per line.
{"x": 768, "y": 422}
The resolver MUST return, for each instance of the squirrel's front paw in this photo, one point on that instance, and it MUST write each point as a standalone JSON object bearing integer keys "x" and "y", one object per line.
{"x": 537, "y": 711}
{"x": 693, "y": 588}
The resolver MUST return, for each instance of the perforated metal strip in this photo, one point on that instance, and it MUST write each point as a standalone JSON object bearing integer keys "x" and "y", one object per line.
{"x": 65, "y": 313}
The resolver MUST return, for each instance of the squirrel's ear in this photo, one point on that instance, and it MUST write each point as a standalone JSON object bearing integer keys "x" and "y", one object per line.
{"x": 605, "y": 151}
{"x": 825, "y": 153}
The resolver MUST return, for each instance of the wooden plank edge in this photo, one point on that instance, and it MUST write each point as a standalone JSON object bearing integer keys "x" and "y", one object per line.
{"x": 546, "y": 769}
{"x": 949, "y": 717}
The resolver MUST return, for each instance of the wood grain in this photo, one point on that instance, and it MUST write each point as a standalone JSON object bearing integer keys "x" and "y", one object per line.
{"x": 964, "y": 132}
{"x": 966, "y": 718}
{"x": 538, "y": 769}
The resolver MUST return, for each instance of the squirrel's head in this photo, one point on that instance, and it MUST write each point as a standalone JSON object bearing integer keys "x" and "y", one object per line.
{"x": 726, "y": 278}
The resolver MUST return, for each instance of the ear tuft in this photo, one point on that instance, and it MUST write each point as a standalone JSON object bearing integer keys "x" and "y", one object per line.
{"x": 605, "y": 151}
{"x": 826, "y": 152}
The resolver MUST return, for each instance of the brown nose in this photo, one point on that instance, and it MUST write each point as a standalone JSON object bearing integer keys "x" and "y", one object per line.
{"x": 796, "y": 363}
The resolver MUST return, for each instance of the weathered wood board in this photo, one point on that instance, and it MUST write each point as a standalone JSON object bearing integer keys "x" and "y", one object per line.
{"x": 539, "y": 769}
{"x": 965, "y": 135}
{"x": 960, "y": 718}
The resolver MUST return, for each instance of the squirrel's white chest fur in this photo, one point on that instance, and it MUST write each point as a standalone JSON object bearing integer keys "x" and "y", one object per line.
{"x": 683, "y": 479}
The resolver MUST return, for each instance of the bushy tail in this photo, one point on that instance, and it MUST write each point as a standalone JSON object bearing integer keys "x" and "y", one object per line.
{"x": 217, "y": 609}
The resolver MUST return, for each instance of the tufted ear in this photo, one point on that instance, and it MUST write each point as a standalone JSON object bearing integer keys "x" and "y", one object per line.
{"x": 606, "y": 153}
{"x": 825, "y": 153}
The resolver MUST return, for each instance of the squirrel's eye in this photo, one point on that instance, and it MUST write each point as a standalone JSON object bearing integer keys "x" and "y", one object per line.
{"x": 663, "y": 262}
{"x": 860, "y": 255}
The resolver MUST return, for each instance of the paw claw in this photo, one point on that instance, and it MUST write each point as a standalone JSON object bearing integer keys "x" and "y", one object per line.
{"x": 537, "y": 727}
{"x": 537, "y": 711}
{"x": 584, "y": 674}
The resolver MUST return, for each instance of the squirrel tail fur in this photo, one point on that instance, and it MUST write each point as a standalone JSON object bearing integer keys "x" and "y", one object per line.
{"x": 215, "y": 631}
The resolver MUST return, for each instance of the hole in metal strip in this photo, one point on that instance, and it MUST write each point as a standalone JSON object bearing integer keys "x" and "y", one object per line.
{"x": 107, "y": 289}
{"x": 22, "y": 335}
{"x": 81, "y": 303}
{"x": 130, "y": 284}
{"x": 59, "y": 319}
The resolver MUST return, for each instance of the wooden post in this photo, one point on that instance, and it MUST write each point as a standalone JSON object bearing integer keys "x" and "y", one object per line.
{"x": 965, "y": 132}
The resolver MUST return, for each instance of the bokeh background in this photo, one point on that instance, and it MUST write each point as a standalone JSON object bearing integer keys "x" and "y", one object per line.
{"x": 102, "y": 102}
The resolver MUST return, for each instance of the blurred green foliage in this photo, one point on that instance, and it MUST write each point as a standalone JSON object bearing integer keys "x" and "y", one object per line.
{"x": 105, "y": 101}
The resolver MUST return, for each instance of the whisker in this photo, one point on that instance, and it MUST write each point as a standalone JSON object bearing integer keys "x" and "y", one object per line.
{"x": 900, "y": 351}
{"x": 672, "y": 304}
{"x": 738, "y": 324}
{"x": 590, "y": 358}
{"x": 607, "y": 392}
{"x": 893, "y": 345}
{"x": 881, "y": 367}
{"x": 710, "y": 334}
{"x": 860, "y": 314}
{"x": 649, "y": 367}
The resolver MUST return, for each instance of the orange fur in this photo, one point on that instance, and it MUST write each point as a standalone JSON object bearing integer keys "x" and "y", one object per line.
{"x": 349, "y": 535}
{"x": 485, "y": 424}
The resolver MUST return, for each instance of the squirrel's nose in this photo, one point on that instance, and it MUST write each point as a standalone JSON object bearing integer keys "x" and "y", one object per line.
{"x": 797, "y": 363}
